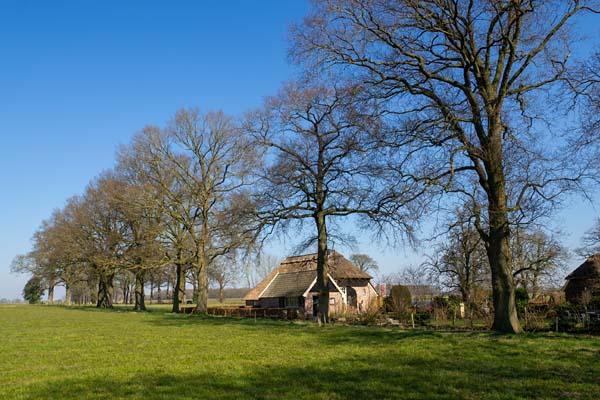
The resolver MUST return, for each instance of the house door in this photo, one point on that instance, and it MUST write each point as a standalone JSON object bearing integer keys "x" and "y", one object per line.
{"x": 351, "y": 296}
{"x": 315, "y": 305}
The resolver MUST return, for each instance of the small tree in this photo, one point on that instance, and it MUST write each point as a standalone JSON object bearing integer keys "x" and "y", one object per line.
{"x": 33, "y": 290}
{"x": 225, "y": 271}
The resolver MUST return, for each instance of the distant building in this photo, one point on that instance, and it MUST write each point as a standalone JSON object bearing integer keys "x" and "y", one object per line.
{"x": 292, "y": 285}
{"x": 586, "y": 278}
{"x": 422, "y": 294}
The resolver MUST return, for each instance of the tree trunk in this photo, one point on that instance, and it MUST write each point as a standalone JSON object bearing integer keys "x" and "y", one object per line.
{"x": 158, "y": 292}
{"x": 194, "y": 290}
{"x": 503, "y": 288}
{"x": 67, "y": 294}
{"x": 202, "y": 303}
{"x": 179, "y": 289}
{"x": 151, "y": 290}
{"x": 221, "y": 292}
{"x": 465, "y": 292}
{"x": 126, "y": 293}
{"x": 322, "y": 269}
{"x": 51, "y": 292}
{"x": 105, "y": 291}
{"x": 498, "y": 237}
{"x": 498, "y": 246}
{"x": 140, "y": 304}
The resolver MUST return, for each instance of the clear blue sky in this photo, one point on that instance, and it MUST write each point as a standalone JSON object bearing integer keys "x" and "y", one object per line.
{"x": 77, "y": 78}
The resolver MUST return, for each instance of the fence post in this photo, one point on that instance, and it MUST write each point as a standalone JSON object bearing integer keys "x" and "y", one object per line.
{"x": 412, "y": 319}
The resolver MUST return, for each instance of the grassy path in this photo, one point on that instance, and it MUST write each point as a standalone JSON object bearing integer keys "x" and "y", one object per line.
{"x": 58, "y": 353}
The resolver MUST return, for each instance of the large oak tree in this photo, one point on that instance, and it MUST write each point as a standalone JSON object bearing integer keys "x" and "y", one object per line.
{"x": 477, "y": 84}
{"x": 322, "y": 163}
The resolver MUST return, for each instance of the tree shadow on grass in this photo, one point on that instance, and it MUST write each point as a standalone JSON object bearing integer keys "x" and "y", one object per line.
{"x": 365, "y": 377}
{"x": 366, "y": 362}
{"x": 333, "y": 334}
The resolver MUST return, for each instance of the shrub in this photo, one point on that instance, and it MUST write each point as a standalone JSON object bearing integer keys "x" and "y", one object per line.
{"x": 569, "y": 315}
{"x": 33, "y": 290}
{"x": 399, "y": 301}
{"x": 422, "y": 318}
{"x": 372, "y": 314}
{"x": 521, "y": 300}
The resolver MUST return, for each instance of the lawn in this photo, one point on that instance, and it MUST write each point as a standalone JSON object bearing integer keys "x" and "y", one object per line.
{"x": 58, "y": 353}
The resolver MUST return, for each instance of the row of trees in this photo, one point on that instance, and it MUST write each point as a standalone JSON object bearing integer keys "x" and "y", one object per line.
{"x": 405, "y": 107}
{"x": 175, "y": 198}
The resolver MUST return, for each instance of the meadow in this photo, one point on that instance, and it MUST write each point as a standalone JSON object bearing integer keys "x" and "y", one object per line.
{"x": 51, "y": 352}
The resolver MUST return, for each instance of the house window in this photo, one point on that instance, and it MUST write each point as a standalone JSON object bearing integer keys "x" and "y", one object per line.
{"x": 332, "y": 301}
{"x": 291, "y": 302}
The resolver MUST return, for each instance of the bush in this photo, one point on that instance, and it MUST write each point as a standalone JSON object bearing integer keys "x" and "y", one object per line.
{"x": 594, "y": 325}
{"x": 521, "y": 300}
{"x": 569, "y": 316}
{"x": 33, "y": 290}
{"x": 372, "y": 315}
{"x": 422, "y": 318}
{"x": 399, "y": 301}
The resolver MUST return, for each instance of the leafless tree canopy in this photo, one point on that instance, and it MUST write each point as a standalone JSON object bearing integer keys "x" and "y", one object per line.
{"x": 365, "y": 263}
{"x": 177, "y": 198}
{"x": 323, "y": 162}
{"x": 459, "y": 263}
{"x": 478, "y": 85}
{"x": 591, "y": 241}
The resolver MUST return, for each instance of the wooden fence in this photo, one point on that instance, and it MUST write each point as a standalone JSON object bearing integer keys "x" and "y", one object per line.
{"x": 250, "y": 312}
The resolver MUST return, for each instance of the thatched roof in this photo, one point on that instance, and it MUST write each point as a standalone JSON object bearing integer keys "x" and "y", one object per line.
{"x": 589, "y": 269}
{"x": 298, "y": 272}
{"x": 290, "y": 284}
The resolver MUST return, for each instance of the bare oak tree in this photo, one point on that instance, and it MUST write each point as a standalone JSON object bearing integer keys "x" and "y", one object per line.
{"x": 473, "y": 84}
{"x": 538, "y": 257}
{"x": 365, "y": 263}
{"x": 321, "y": 164}
{"x": 202, "y": 164}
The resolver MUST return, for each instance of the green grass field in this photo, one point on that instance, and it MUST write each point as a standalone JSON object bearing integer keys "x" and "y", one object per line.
{"x": 58, "y": 353}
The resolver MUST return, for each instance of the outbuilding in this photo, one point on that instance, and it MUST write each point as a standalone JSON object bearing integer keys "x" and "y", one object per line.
{"x": 584, "y": 281}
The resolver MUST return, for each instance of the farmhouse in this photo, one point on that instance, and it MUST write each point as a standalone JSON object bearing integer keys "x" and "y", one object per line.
{"x": 292, "y": 285}
{"x": 585, "y": 279}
